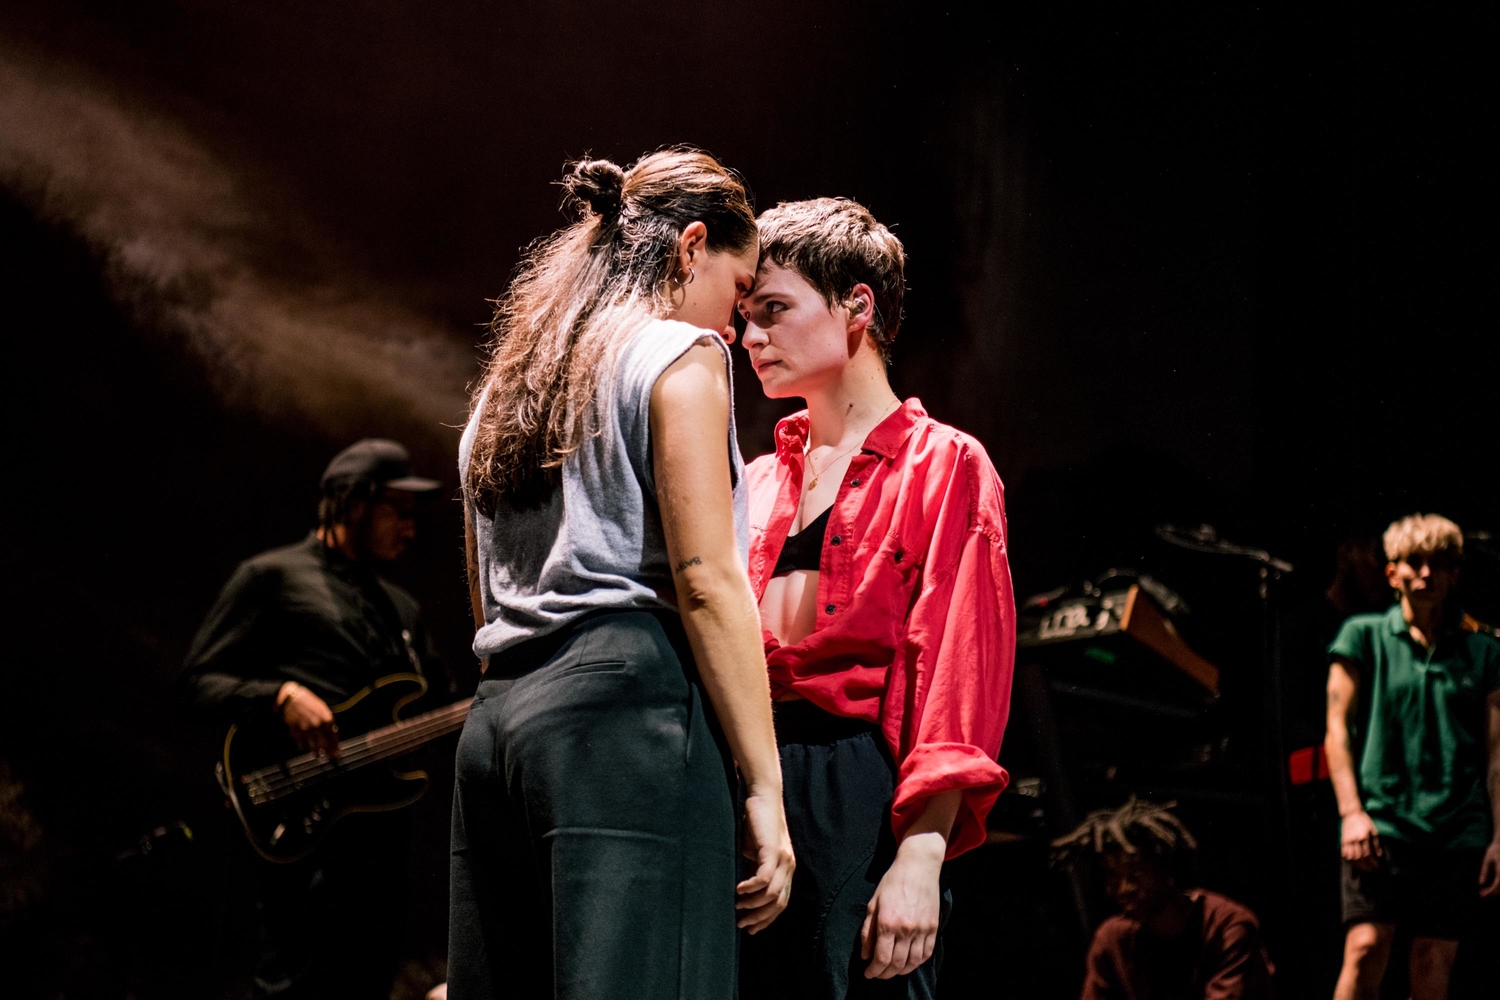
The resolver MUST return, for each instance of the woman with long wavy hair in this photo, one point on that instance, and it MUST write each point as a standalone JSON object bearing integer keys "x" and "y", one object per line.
{"x": 593, "y": 819}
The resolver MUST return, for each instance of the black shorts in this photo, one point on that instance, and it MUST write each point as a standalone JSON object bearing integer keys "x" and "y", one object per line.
{"x": 1430, "y": 893}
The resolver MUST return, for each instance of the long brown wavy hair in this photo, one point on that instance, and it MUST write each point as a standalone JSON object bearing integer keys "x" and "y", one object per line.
{"x": 574, "y": 297}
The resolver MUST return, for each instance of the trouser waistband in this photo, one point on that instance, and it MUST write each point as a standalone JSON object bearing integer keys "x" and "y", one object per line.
{"x": 524, "y": 657}
{"x": 801, "y": 721}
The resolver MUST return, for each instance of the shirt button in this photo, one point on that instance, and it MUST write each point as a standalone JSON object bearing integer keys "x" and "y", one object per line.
{"x": 854, "y": 483}
{"x": 838, "y": 540}
{"x": 828, "y": 610}
{"x": 899, "y": 554}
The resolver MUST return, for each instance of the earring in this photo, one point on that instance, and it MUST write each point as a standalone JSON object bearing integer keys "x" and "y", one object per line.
{"x": 683, "y": 284}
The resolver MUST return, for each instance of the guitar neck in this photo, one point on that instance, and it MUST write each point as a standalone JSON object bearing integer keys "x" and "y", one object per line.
{"x": 405, "y": 736}
{"x": 395, "y": 740}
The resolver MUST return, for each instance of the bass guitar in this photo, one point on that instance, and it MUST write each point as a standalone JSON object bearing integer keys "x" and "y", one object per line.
{"x": 287, "y": 802}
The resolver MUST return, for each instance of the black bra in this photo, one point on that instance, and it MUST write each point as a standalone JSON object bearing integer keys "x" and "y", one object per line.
{"x": 804, "y": 550}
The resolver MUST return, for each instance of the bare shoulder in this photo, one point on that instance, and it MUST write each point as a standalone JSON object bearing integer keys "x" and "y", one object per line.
{"x": 696, "y": 377}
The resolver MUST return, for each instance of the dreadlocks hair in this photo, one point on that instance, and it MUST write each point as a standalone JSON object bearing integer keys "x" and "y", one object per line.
{"x": 1134, "y": 828}
{"x": 339, "y": 498}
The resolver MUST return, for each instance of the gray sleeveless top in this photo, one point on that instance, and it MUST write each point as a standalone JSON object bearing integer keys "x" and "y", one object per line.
{"x": 597, "y": 543}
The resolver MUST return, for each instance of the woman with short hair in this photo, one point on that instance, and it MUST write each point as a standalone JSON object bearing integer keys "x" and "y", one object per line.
{"x": 593, "y": 822}
{"x": 878, "y": 557}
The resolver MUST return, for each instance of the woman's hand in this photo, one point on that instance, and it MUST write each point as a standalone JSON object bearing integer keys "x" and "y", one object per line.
{"x": 901, "y": 921}
{"x": 766, "y": 841}
{"x": 1361, "y": 842}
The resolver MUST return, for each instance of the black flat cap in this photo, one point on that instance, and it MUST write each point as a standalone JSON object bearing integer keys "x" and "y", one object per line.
{"x": 376, "y": 460}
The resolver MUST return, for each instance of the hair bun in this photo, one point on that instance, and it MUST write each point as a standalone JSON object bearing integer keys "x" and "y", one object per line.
{"x": 600, "y": 184}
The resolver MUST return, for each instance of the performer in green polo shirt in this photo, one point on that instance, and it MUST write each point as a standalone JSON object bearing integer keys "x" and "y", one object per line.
{"x": 1418, "y": 783}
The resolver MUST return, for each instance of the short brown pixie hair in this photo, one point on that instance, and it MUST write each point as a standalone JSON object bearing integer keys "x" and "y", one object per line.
{"x": 835, "y": 244}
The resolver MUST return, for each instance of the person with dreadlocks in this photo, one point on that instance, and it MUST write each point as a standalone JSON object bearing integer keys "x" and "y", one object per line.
{"x": 294, "y": 630}
{"x": 1168, "y": 942}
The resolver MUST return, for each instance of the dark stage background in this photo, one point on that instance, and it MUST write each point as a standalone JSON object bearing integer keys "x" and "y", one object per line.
{"x": 1207, "y": 263}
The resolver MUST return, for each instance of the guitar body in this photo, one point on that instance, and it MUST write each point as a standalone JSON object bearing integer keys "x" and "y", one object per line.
{"x": 288, "y": 800}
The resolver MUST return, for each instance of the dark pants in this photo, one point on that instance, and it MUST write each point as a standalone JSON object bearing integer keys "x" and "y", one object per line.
{"x": 331, "y": 925}
{"x": 839, "y": 784}
{"x": 593, "y": 824}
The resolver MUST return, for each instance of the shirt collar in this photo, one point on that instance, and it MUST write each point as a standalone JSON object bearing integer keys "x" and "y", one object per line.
{"x": 1452, "y": 621}
{"x": 886, "y": 440}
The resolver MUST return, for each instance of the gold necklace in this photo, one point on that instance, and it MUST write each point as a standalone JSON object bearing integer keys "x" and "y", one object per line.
{"x": 807, "y": 449}
{"x": 807, "y": 456}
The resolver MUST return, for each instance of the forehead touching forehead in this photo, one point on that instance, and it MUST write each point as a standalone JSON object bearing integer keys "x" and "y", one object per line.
{"x": 743, "y": 263}
{"x": 835, "y": 244}
{"x": 772, "y": 278}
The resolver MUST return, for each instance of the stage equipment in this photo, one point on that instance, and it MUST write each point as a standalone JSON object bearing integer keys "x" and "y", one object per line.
{"x": 287, "y": 801}
{"x": 1272, "y": 572}
{"x": 1114, "y": 702}
{"x": 1100, "y": 615}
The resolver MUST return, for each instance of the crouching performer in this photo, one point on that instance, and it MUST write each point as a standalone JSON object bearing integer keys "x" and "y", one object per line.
{"x": 878, "y": 556}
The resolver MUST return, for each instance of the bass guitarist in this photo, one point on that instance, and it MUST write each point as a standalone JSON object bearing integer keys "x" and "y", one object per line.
{"x": 298, "y": 629}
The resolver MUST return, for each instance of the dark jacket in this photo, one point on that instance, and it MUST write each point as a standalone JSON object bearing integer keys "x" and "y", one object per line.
{"x": 304, "y": 613}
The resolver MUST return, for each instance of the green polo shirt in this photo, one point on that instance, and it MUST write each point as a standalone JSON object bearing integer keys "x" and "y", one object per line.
{"x": 1422, "y": 772}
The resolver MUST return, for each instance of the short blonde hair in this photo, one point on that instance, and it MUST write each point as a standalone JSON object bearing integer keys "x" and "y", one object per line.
{"x": 1423, "y": 534}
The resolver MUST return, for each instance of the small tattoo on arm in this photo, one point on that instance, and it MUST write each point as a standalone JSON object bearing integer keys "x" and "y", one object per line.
{"x": 695, "y": 561}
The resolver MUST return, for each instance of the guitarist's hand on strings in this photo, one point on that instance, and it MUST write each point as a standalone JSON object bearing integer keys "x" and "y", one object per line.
{"x": 308, "y": 718}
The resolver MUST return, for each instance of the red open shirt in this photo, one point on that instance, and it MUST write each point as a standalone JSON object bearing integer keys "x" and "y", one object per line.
{"x": 916, "y": 624}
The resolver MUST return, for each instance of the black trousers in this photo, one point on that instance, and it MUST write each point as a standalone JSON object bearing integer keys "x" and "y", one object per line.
{"x": 593, "y": 824}
{"x": 839, "y": 783}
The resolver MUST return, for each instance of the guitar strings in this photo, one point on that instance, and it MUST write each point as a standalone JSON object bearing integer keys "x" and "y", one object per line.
{"x": 313, "y": 770}
{"x": 361, "y": 747}
{"x": 391, "y": 741}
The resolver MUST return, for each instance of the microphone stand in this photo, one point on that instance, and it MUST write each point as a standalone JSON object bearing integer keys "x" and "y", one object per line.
{"x": 1270, "y": 571}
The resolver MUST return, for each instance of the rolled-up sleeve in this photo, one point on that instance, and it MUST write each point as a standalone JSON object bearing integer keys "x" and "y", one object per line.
{"x": 948, "y": 698}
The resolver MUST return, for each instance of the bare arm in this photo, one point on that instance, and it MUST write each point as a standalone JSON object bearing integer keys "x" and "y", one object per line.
{"x": 1489, "y": 871}
{"x": 1342, "y": 692}
{"x": 1360, "y": 843}
{"x": 690, "y": 456}
{"x": 471, "y": 566}
{"x": 471, "y": 561}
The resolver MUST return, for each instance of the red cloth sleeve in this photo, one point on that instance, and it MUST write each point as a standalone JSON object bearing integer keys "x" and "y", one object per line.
{"x": 1238, "y": 969}
{"x": 948, "y": 692}
{"x": 1101, "y": 978}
